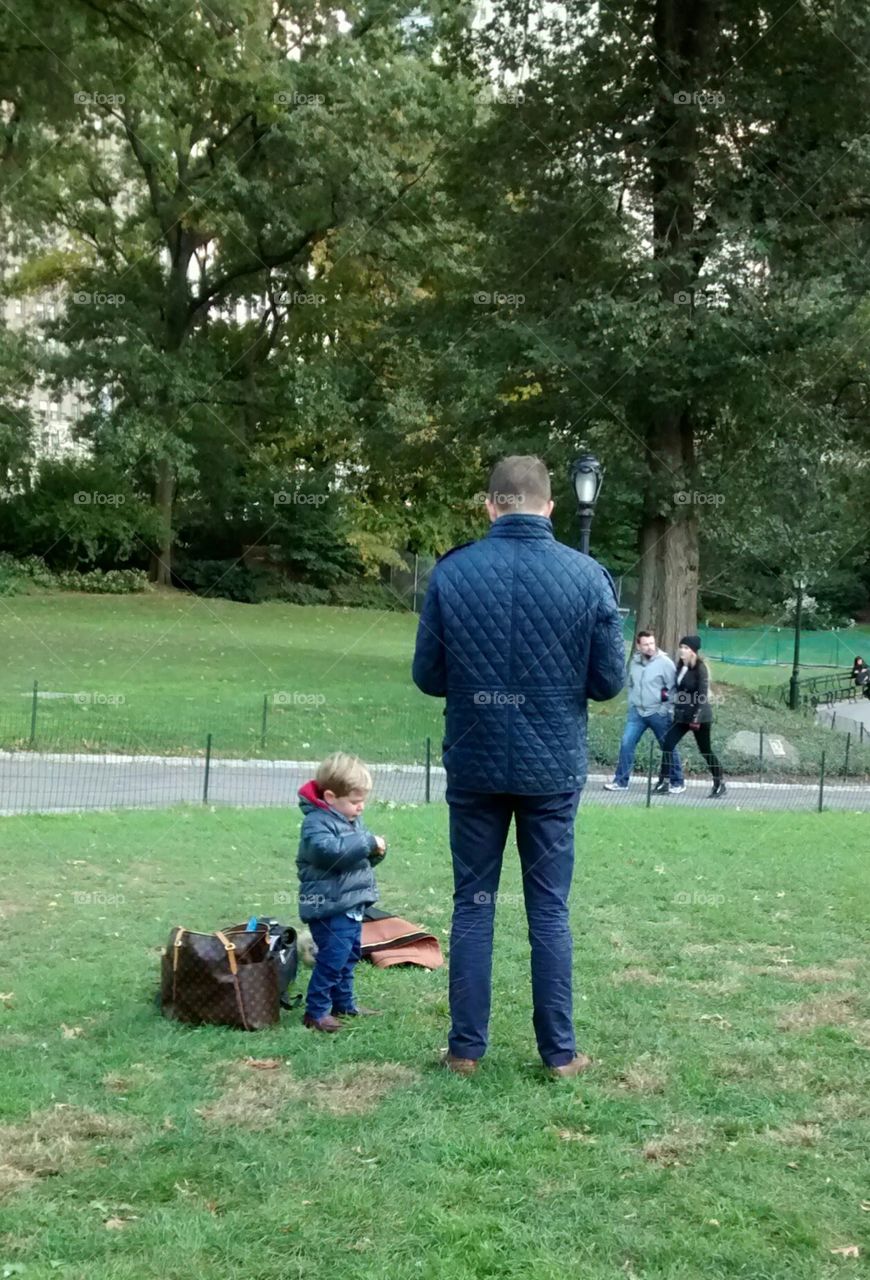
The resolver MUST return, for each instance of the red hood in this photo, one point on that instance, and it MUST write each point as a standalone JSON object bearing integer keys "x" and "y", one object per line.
{"x": 311, "y": 791}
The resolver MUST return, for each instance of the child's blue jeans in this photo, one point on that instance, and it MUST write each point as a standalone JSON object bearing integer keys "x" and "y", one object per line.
{"x": 338, "y": 952}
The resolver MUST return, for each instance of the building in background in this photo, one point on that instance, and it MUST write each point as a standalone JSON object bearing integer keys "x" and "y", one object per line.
{"x": 54, "y": 414}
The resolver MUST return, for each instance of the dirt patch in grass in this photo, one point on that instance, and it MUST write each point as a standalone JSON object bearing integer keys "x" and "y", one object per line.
{"x": 258, "y": 1099}
{"x": 636, "y": 974}
{"x": 810, "y": 973}
{"x": 9, "y": 908}
{"x": 675, "y": 1148}
{"x": 647, "y": 1075}
{"x": 840, "y": 1106}
{"x": 821, "y": 1011}
{"x": 711, "y": 987}
{"x": 796, "y": 1135}
{"x": 52, "y": 1142}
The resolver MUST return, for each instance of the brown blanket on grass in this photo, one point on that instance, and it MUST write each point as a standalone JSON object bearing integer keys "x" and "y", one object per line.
{"x": 388, "y": 940}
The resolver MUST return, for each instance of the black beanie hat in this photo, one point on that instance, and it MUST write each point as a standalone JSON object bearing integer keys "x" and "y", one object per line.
{"x": 693, "y": 642}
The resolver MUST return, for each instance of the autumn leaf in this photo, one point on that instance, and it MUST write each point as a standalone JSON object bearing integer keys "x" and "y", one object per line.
{"x": 847, "y": 1250}
{"x": 263, "y": 1064}
{"x": 114, "y": 1224}
{"x": 70, "y": 1033}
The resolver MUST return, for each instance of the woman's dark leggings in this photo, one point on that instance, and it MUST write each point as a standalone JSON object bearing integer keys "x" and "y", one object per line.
{"x": 702, "y": 738}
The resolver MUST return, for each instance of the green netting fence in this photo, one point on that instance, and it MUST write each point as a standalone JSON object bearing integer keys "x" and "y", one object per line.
{"x": 772, "y": 646}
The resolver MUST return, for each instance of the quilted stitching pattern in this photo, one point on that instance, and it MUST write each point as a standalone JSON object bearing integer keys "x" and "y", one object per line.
{"x": 517, "y": 631}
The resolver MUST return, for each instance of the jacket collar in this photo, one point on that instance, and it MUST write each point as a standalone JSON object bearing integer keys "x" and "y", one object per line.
{"x": 311, "y": 792}
{"x": 521, "y": 526}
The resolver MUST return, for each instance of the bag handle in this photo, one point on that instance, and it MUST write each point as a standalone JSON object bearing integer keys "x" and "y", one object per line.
{"x": 230, "y": 948}
{"x": 176, "y": 951}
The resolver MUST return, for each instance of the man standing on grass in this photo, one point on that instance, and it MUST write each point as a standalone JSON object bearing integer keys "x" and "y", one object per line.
{"x": 651, "y": 681}
{"x": 517, "y": 632}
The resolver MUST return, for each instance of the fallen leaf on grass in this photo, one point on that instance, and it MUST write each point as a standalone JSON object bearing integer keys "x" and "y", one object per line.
{"x": 717, "y": 1018}
{"x": 847, "y": 1250}
{"x": 7, "y": 996}
{"x": 117, "y": 1224}
{"x": 70, "y": 1033}
{"x": 865, "y": 1205}
{"x": 263, "y": 1064}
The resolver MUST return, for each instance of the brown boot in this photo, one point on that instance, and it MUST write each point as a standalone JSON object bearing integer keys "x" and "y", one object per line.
{"x": 575, "y": 1067}
{"x": 459, "y": 1066}
{"x": 326, "y": 1023}
{"x": 359, "y": 1012}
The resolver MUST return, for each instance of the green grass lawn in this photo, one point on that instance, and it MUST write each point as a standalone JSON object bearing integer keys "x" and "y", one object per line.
{"x": 159, "y": 671}
{"x": 722, "y": 977}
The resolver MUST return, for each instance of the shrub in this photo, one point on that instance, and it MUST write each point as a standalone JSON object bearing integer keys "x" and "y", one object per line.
{"x": 226, "y": 578}
{"x": 19, "y": 575}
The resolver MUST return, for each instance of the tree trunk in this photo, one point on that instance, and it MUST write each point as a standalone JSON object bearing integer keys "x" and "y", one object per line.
{"x": 176, "y": 330}
{"x": 685, "y": 34}
{"x": 164, "y": 492}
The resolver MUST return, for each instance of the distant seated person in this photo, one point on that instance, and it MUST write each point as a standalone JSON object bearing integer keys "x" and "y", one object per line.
{"x": 861, "y": 673}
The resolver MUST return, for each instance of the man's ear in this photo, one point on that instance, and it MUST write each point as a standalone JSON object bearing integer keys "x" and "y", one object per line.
{"x": 492, "y": 511}
{"x": 548, "y": 509}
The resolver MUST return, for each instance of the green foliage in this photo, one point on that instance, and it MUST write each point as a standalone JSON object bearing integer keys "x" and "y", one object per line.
{"x": 226, "y": 578}
{"x": 18, "y": 576}
{"x": 249, "y": 585}
{"x": 77, "y": 512}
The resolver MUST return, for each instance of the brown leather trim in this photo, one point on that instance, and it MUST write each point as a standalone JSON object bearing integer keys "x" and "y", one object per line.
{"x": 234, "y": 970}
{"x": 175, "y": 951}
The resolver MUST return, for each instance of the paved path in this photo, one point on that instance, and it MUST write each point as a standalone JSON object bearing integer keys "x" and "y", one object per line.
{"x": 847, "y": 717}
{"x": 68, "y": 783}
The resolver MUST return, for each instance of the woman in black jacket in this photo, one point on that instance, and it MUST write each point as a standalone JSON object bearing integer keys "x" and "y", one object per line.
{"x": 692, "y": 711}
{"x": 860, "y": 672}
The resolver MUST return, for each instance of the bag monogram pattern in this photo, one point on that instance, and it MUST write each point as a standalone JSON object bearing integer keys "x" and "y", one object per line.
{"x": 226, "y": 978}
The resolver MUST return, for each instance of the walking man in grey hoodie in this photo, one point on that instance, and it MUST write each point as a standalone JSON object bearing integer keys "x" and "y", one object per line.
{"x": 651, "y": 681}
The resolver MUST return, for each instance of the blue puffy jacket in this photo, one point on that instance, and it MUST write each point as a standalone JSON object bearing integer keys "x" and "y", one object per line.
{"x": 334, "y": 861}
{"x": 517, "y": 632}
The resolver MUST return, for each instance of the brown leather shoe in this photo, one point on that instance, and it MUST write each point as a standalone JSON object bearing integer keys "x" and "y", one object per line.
{"x": 459, "y": 1066}
{"x": 575, "y": 1067}
{"x": 359, "y": 1012}
{"x": 326, "y": 1023}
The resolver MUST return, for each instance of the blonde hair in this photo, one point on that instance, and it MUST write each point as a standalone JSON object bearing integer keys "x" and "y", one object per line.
{"x": 342, "y": 773}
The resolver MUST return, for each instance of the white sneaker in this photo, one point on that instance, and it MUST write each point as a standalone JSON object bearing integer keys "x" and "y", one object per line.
{"x": 677, "y": 790}
{"x": 615, "y": 786}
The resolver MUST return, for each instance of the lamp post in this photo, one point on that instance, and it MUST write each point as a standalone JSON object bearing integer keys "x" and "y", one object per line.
{"x": 793, "y": 695}
{"x": 586, "y": 477}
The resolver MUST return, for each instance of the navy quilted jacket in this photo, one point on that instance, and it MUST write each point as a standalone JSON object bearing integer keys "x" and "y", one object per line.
{"x": 517, "y": 632}
{"x": 334, "y": 861}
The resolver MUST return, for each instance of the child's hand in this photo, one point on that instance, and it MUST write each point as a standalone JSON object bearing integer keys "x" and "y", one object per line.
{"x": 379, "y": 852}
{"x": 382, "y": 844}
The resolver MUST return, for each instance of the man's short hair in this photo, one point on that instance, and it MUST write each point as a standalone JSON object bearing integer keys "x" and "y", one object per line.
{"x": 645, "y": 635}
{"x": 520, "y": 483}
{"x": 342, "y": 773}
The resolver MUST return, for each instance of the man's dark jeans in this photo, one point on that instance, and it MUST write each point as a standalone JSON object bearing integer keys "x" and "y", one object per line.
{"x": 479, "y": 824}
{"x": 338, "y": 953}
